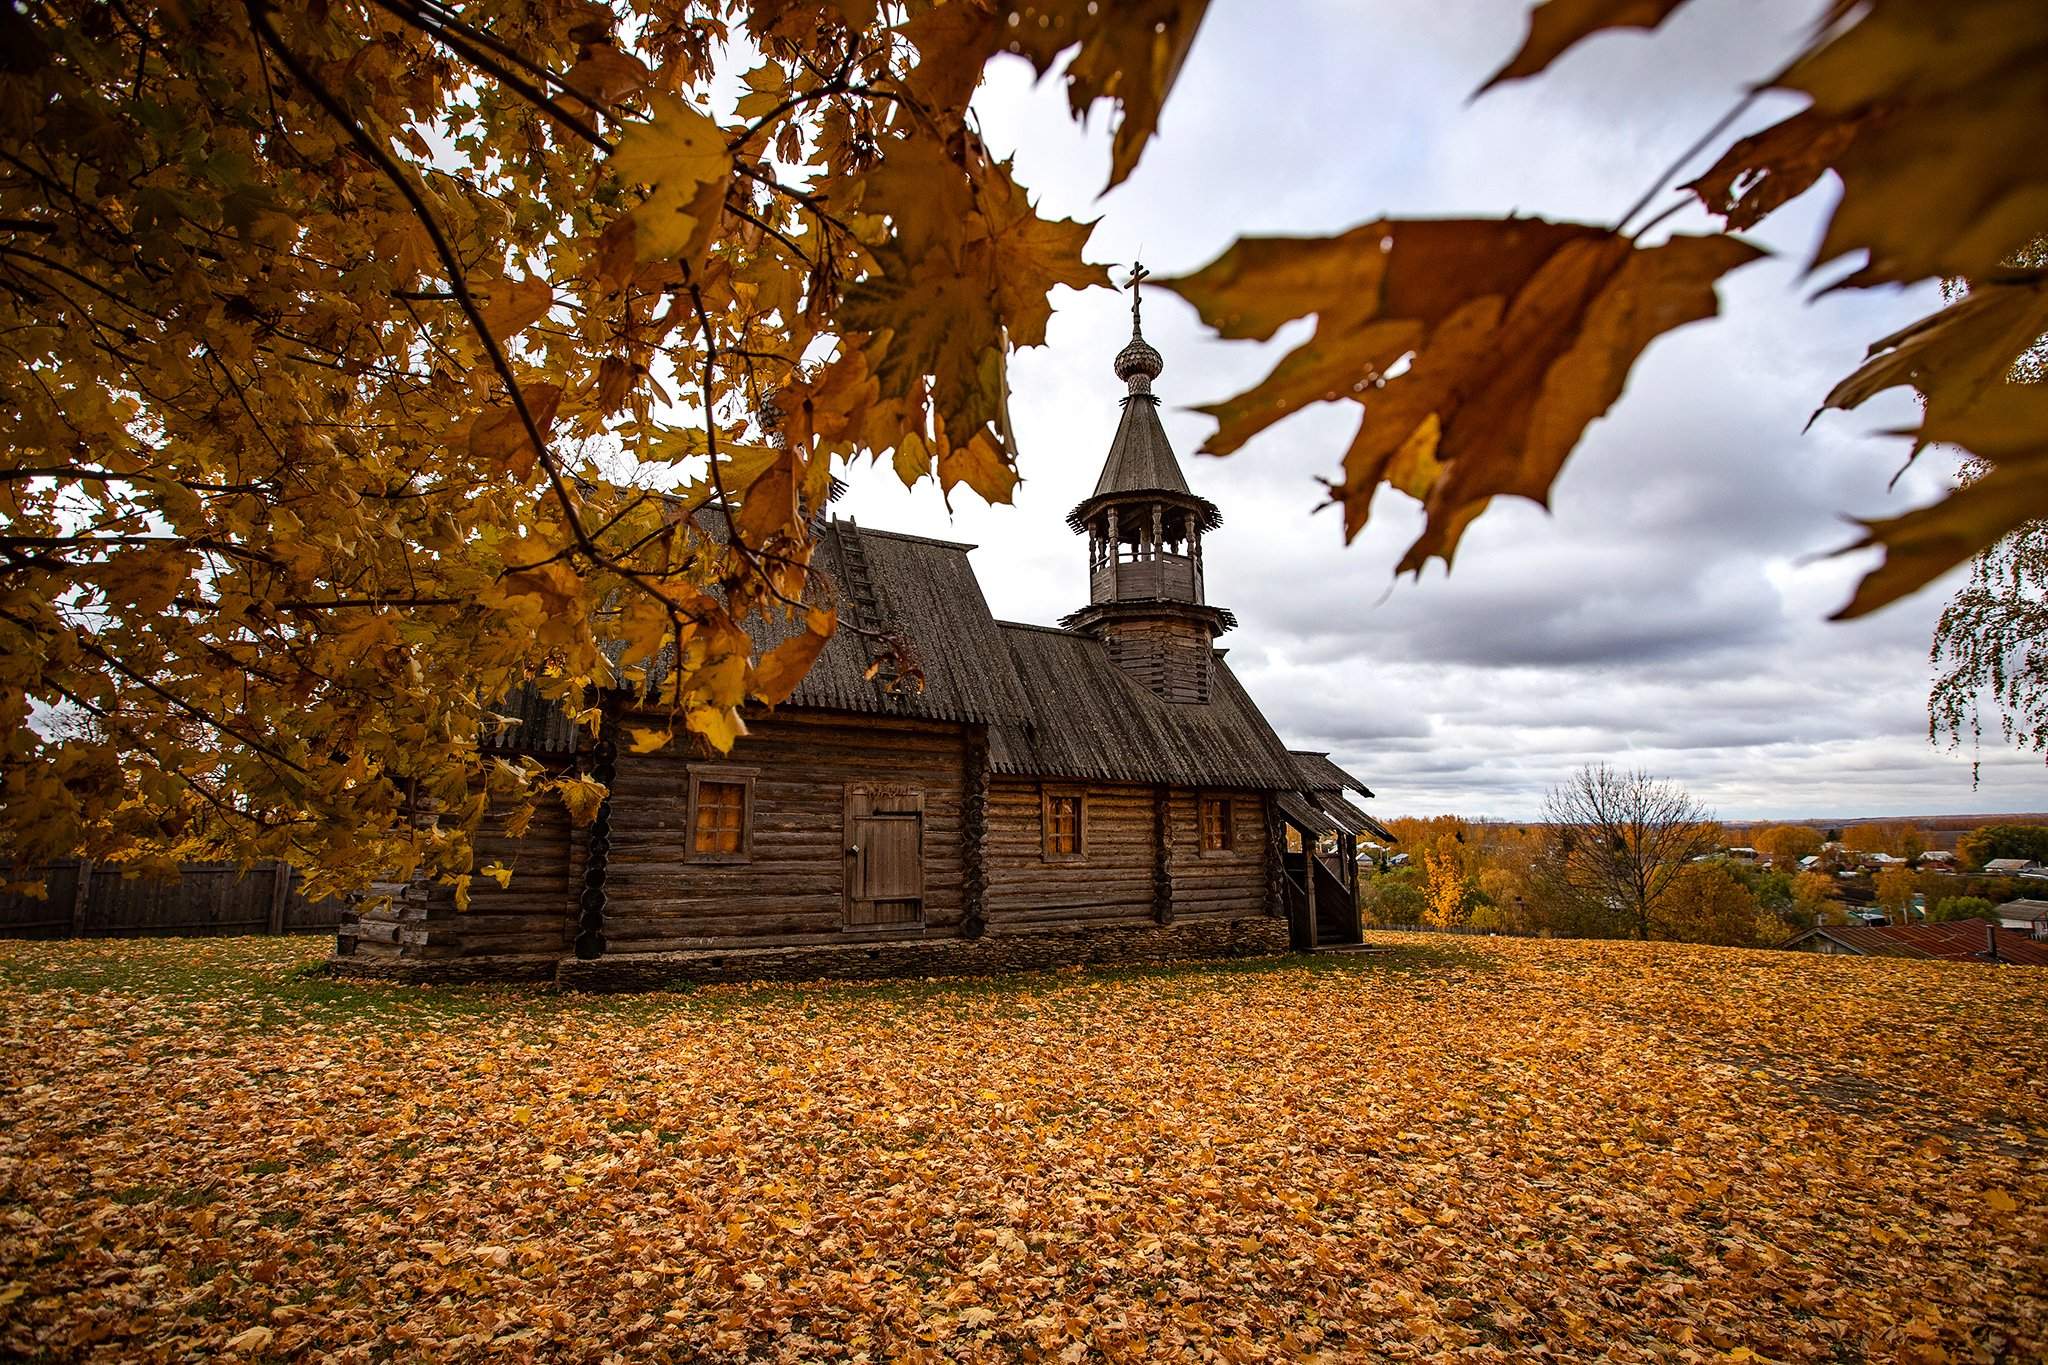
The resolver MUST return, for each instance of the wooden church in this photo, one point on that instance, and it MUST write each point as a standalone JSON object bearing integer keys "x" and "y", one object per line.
{"x": 1100, "y": 791}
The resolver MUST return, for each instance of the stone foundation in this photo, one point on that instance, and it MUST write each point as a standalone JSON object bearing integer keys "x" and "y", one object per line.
{"x": 993, "y": 953}
{"x": 443, "y": 971}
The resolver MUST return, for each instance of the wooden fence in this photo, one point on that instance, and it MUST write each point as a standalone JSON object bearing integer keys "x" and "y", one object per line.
{"x": 86, "y": 900}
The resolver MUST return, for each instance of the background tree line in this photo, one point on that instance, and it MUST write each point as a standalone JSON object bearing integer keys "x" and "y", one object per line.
{"x": 1622, "y": 854}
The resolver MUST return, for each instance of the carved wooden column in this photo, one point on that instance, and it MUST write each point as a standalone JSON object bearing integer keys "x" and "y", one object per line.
{"x": 974, "y": 838}
{"x": 1114, "y": 554}
{"x": 1162, "y": 862}
{"x": 1276, "y": 865}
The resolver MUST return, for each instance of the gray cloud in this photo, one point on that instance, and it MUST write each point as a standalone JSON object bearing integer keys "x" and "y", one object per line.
{"x": 1669, "y": 611}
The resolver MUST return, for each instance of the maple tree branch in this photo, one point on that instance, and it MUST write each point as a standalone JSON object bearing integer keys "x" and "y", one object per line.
{"x": 458, "y": 282}
{"x": 836, "y": 84}
{"x": 746, "y": 215}
{"x": 804, "y": 197}
{"x": 478, "y": 48}
{"x": 89, "y": 475}
{"x": 739, "y": 542}
{"x": 88, "y": 542}
{"x": 1705, "y": 139}
{"x": 85, "y": 642}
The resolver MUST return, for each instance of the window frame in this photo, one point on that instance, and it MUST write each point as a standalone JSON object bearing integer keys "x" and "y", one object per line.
{"x": 1228, "y": 804}
{"x": 723, "y": 774}
{"x": 1047, "y": 794}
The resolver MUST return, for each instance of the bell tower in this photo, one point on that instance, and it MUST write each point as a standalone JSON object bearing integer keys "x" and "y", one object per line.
{"x": 1145, "y": 528}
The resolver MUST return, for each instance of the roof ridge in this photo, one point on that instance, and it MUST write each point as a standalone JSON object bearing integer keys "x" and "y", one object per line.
{"x": 1001, "y": 624}
{"x": 906, "y": 535}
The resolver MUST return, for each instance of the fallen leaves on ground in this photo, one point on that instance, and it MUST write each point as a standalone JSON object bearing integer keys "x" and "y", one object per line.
{"x": 1495, "y": 1148}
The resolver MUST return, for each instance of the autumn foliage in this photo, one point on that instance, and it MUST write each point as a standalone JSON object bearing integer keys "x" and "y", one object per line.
{"x": 366, "y": 362}
{"x": 1501, "y": 1149}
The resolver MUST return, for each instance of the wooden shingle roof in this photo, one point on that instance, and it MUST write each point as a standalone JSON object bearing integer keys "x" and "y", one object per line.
{"x": 925, "y": 591}
{"x": 1054, "y": 703}
{"x": 1141, "y": 458}
{"x": 1319, "y": 774}
{"x": 1140, "y": 461}
{"x": 1088, "y": 720}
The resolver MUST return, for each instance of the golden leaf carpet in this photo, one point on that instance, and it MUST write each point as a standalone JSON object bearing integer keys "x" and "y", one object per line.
{"x": 1489, "y": 1149}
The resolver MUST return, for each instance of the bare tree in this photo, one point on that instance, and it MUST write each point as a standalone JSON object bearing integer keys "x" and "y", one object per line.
{"x": 1615, "y": 842}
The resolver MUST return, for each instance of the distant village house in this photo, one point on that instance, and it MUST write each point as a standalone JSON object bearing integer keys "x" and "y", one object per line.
{"x": 1969, "y": 940}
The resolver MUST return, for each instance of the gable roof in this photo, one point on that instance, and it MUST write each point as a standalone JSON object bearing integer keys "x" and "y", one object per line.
{"x": 1089, "y": 720}
{"x": 1055, "y": 704}
{"x": 2026, "y": 908}
{"x": 1324, "y": 784}
{"x": 1956, "y": 941}
{"x": 1354, "y": 820}
{"x": 926, "y": 591}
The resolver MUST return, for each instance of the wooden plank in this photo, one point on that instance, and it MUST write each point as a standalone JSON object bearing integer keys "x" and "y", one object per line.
{"x": 281, "y": 885}
{"x": 81, "y": 898}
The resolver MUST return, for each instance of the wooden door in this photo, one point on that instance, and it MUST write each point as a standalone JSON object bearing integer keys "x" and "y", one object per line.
{"x": 884, "y": 855}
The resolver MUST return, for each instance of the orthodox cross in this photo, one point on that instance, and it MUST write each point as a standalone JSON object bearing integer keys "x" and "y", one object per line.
{"x": 1139, "y": 274}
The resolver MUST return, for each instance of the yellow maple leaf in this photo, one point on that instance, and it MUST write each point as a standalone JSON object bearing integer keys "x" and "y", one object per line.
{"x": 2009, "y": 428}
{"x": 1952, "y": 95}
{"x": 1479, "y": 349}
{"x": 582, "y": 795}
{"x": 498, "y": 437}
{"x": 646, "y": 739}
{"x": 783, "y": 667}
{"x": 513, "y": 305}
{"x": 721, "y": 726}
{"x": 680, "y": 154}
{"x": 251, "y": 1340}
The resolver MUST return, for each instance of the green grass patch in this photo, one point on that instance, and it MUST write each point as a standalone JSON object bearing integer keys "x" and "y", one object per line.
{"x": 270, "y": 984}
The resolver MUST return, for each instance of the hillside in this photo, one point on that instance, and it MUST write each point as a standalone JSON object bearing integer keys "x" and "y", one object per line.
{"x": 1941, "y": 831}
{"x": 1493, "y": 1146}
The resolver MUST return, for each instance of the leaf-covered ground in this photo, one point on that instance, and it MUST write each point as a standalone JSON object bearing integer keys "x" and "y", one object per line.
{"x": 1493, "y": 1148}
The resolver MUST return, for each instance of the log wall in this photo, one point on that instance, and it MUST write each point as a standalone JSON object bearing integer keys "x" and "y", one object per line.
{"x": 1119, "y": 879}
{"x": 1223, "y": 884}
{"x": 1173, "y": 657}
{"x": 792, "y": 890}
{"x": 533, "y": 916}
{"x": 1142, "y": 863}
{"x": 1110, "y": 884}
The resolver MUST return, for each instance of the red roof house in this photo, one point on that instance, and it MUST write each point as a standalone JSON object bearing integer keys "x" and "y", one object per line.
{"x": 1968, "y": 940}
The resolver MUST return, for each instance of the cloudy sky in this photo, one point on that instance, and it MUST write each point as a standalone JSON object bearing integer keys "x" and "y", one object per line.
{"x": 1670, "y": 612}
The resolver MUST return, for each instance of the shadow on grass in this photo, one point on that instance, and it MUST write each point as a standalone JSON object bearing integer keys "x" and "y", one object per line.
{"x": 271, "y": 981}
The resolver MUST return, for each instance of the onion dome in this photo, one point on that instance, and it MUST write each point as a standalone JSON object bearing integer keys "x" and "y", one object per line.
{"x": 1139, "y": 363}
